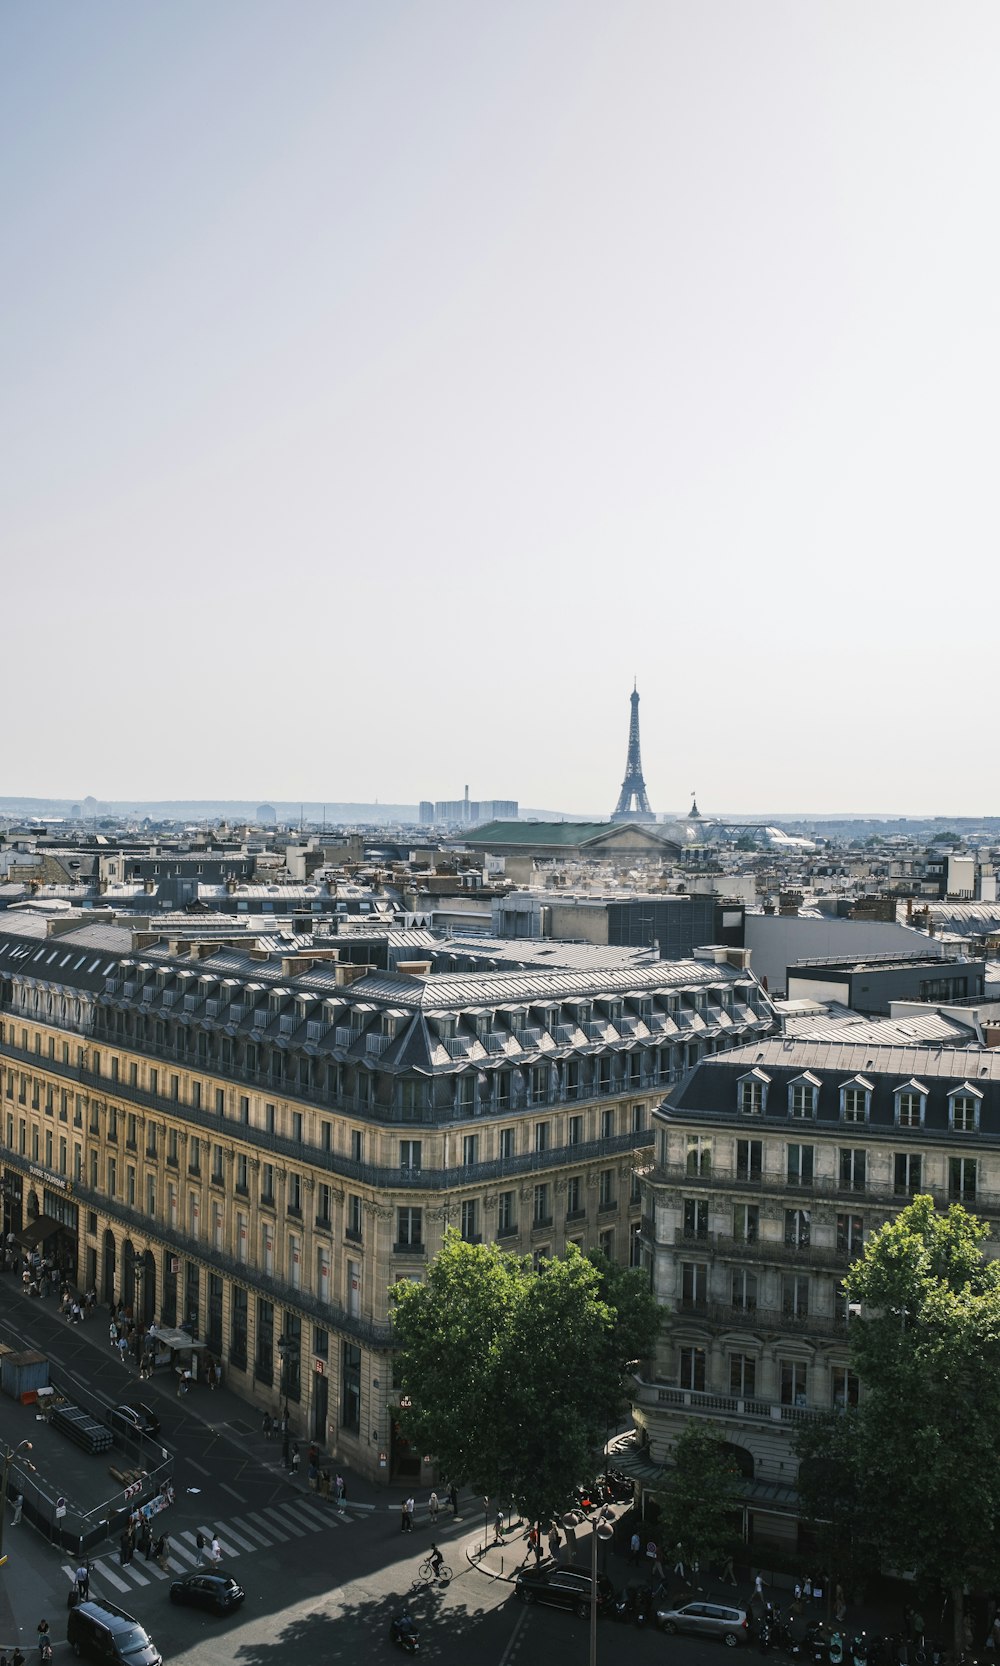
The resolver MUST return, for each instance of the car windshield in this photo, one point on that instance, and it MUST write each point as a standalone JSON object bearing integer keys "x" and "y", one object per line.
{"x": 132, "y": 1641}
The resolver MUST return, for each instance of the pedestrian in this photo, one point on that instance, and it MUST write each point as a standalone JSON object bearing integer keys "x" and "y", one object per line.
{"x": 200, "y": 1542}
{"x": 44, "y": 1641}
{"x": 216, "y": 1552}
{"x": 296, "y": 1459}
{"x": 726, "y": 1573}
{"x": 265, "y": 1425}
{"x": 498, "y": 1528}
{"x": 453, "y": 1498}
{"x": 410, "y": 1507}
{"x": 433, "y": 1506}
{"x": 112, "y": 1332}
{"x": 15, "y": 1520}
{"x": 758, "y": 1585}
{"x": 126, "y": 1547}
{"x": 210, "y": 1366}
{"x": 993, "y": 1640}
{"x": 634, "y": 1550}
{"x": 83, "y": 1581}
{"x": 218, "y": 1374}
{"x": 679, "y": 1568}
{"x": 555, "y": 1540}
{"x": 404, "y": 1517}
{"x": 840, "y": 1604}
{"x": 146, "y": 1539}
{"x": 160, "y": 1551}
{"x": 338, "y": 1487}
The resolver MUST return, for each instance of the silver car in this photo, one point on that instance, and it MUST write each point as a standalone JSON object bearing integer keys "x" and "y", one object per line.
{"x": 707, "y": 1619}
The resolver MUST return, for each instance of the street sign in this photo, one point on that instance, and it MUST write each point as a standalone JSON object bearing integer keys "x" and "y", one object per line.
{"x": 60, "y": 1508}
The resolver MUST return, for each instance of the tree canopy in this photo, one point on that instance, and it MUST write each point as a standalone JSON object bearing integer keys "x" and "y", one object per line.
{"x": 928, "y": 1353}
{"x": 703, "y": 1488}
{"x": 514, "y": 1376}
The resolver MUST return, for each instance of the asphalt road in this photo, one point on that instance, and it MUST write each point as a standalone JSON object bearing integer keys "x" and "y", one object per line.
{"x": 321, "y": 1587}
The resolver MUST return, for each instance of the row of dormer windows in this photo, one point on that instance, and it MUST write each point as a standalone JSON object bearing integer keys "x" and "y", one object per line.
{"x": 910, "y": 1101}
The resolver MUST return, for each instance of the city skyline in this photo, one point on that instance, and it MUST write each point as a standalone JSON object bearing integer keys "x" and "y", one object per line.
{"x": 384, "y": 389}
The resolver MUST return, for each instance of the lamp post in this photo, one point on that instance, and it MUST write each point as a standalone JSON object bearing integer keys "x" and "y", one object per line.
{"x": 284, "y": 1352}
{"x": 486, "y": 1522}
{"x": 600, "y": 1528}
{"x": 11, "y": 1454}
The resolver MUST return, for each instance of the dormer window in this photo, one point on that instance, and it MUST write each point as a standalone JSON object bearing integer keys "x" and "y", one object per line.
{"x": 911, "y": 1099}
{"x": 856, "y": 1099}
{"x": 963, "y": 1109}
{"x": 753, "y": 1093}
{"x": 802, "y": 1095}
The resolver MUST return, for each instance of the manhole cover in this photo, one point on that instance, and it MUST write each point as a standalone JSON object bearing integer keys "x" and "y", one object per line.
{"x": 241, "y": 1428}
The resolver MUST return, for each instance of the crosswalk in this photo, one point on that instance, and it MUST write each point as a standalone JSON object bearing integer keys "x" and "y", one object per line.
{"x": 238, "y": 1536}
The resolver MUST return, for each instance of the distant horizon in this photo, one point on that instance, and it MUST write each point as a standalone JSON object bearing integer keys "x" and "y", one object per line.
{"x": 312, "y": 811}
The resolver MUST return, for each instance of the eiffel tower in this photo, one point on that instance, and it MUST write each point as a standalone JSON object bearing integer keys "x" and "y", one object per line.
{"x": 633, "y": 786}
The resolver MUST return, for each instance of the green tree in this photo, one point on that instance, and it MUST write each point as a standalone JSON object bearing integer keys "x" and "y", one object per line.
{"x": 698, "y": 1501}
{"x": 511, "y": 1372}
{"x": 928, "y": 1353}
{"x": 832, "y": 1492}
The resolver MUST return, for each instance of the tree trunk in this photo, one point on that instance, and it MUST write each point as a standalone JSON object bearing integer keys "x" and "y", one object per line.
{"x": 957, "y": 1621}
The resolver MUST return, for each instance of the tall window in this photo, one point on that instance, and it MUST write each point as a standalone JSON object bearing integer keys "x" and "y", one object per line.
{"x": 506, "y": 1221}
{"x": 541, "y": 1209}
{"x": 797, "y": 1227}
{"x": 746, "y": 1222}
{"x": 845, "y": 1386}
{"x": 575, "y": 1130}
{"x": 742, "y": 1375}
{"x": 238, "y": 1328}
{"x": 350, "y": 1395}
{"x": 749, "y": 1159}
{"x": 906, "y": 1173}
{"x": 354, "y": 1215}
{"x": 853, "y": 1170}
{"x": 850, "y": 1234}
{"x": 794, "y": 1296}
{"x": 692, "y": 1368}
{"x": 800, "y": 1165}
{"x": 751, "y": 1096}
{"x": 962, "y": 1179}
{"x": 573, "y": 1195}
{"x": 695, "y": 1217}
{"x": 541, "y": 1136}
{"x": 409, "y": 1228}
{"x": 606, "y": 1189}
{"x": 909, "y": 1108}
{"x": 410, "y": 1155}
{"x": 802, "y": 1099}
{"x": 506, "y": 1143}
{"x": 694, "y": 1284}
{"x": 699, "y": 1155}
{"x": 855, "y": 1101}
{"x": 964, "y": 1113}
{"x": 608, "y": 1123}
{"x": 470, "y": 1220}
{"x": 470, "y": 1150}
{"x": 744, "y": 1290}
{"x": 792, "y": 1378}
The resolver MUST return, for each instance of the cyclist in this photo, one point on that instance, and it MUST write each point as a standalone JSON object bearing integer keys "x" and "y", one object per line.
{"x": 436, "y": 1560}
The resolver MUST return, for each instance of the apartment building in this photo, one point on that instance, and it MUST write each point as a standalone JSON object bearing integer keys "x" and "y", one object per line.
{"x": 257, "y": 1140}
{"x": 773, "y": 1163}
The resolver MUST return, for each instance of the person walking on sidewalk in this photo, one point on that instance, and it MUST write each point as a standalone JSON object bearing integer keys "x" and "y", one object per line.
{"x": 433, "y": 1506}
{"x": 265, "y": 1425}
{"x": 338, "y": 1489}
{"x": 83, "y": 1581}
{"x": 406, "y": 1516}
{"x": 498, "y": 1529}
{"x": 296, "y": 1459}
{"x": 634, "y": 1550}
{"x": 127, "y": 1547}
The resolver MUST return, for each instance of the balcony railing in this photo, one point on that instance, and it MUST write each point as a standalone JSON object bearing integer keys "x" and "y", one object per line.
{"x": 727, "y": 1317}
{"x": 765, "y": 1249}
{"x": 821, "y": 1188}
{"x": 747, "y": 1408}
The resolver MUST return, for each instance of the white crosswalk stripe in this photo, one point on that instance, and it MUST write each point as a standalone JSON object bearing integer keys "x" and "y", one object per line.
{"x": 257, "y": 1530}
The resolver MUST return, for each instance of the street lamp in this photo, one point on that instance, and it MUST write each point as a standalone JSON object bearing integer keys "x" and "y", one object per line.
{"x": 486, "y": 1522}
{"x": 11, "y": 1454}
{"x": 284, "y": 1354}
{"x": 600, "y": 1528}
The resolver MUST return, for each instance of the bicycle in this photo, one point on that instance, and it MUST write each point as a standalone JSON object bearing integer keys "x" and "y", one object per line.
{"x": 426, "y": 1571}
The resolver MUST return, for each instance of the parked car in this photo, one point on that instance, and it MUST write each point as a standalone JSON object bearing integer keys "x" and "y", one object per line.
{"x": 564, "y": 1588}
{"x": 211, "y": 1588}
{"x": 135, "y": 1419}
{"x": 109, "y": 1635}
{"x": 707, "y": 1619}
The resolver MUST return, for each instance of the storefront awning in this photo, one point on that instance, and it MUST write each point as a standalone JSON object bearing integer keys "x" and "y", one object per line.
{"x": 38, "y": 1232}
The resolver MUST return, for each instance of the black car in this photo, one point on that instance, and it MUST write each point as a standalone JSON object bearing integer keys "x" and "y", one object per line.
{"x": 210, "y": 1588}
{"x": 564, "y": 1588}
{"x": 135, "y": 1419}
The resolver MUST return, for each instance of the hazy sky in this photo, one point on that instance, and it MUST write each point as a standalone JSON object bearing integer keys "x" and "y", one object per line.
{"x": 383, "y": 385}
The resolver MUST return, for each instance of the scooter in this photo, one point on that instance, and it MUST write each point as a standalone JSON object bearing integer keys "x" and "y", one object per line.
{"x": 403, "y": 1633}
{"x": 783, "y": 1636}
{"x": 642, "y": 1612}
{"x": 859, "y": 1649}
{"x": 765, "y": 1630}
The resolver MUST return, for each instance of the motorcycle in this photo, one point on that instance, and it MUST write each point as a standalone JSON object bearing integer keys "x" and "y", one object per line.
{"x": 859, "y": 1649}
{"x": 783, "y": 1636}
{"x": 642, "y": 1611}
{"x": 403, "y": 1633}
{"x": 765, "y": 1630}
{"x": 621, "y": 1608}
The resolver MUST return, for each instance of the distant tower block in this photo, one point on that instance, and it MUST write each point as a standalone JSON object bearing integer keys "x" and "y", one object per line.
{"x": 633, "y": 801}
